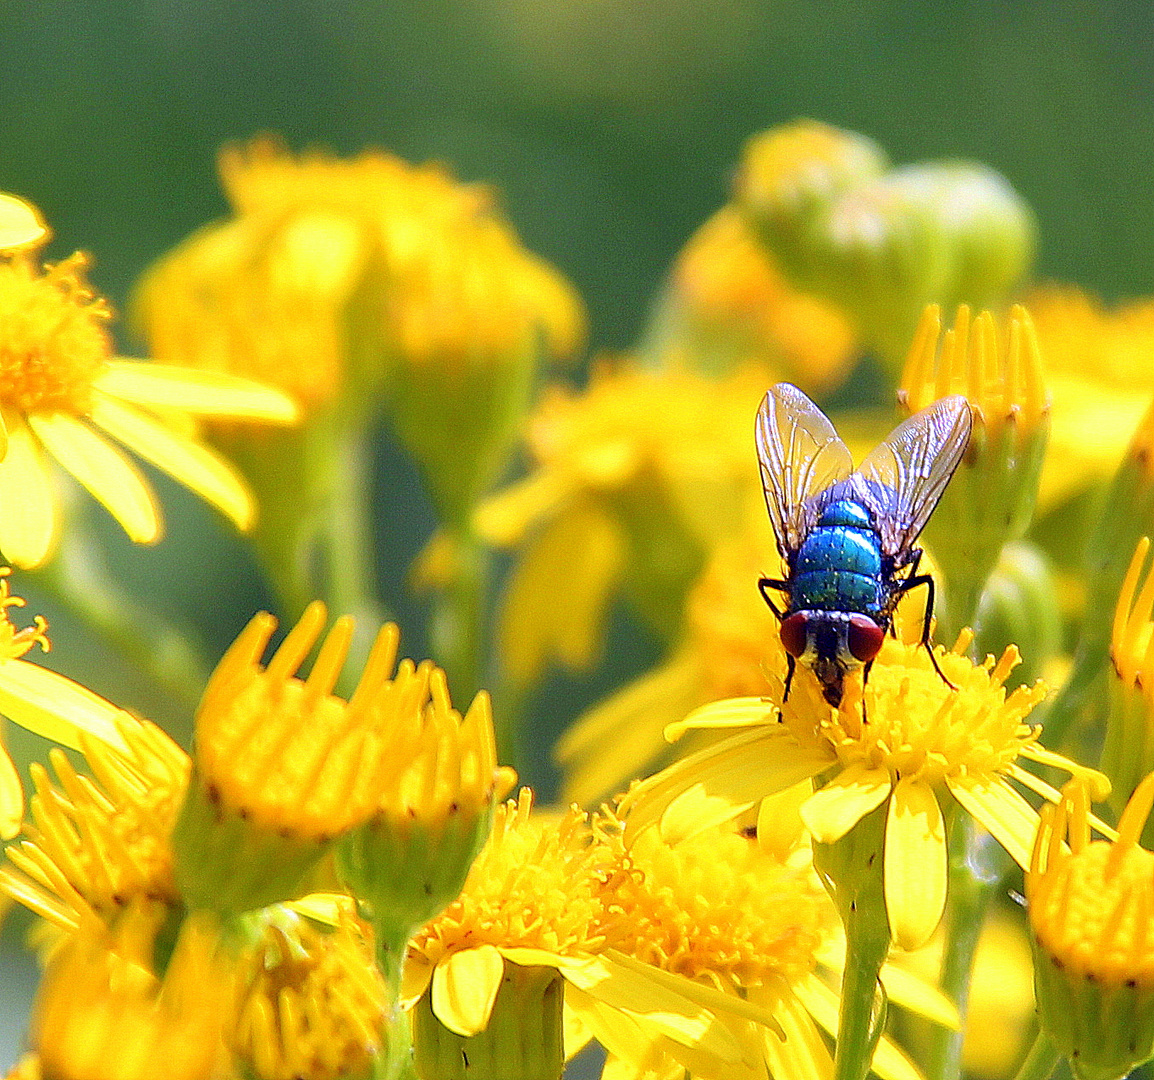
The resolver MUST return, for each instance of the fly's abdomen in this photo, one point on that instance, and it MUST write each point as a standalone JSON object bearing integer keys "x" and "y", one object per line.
{"x": 838, "y": 568}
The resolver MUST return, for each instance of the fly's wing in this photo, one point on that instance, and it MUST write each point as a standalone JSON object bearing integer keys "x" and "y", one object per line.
{"x": 902, "y": 479}
{"x": 800, "y": 456}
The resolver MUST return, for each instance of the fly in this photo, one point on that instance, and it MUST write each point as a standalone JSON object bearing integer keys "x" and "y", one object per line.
{"x": 848, "y": 537}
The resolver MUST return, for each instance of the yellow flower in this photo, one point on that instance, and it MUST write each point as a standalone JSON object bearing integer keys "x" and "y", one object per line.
{"x": 997, "y": 367}
{"x": 541, "y": 895}
{"x": 1089, "y": 905}
{"x": 20, "y": 225}
{"x": 44, "y": 702}
{"x": 311, "y": 1004}
{"x": 1099, "y": 373}
{"x": 104, "y": 1014}
{"x": 634, "y": 480}
{"x": 727, "y": 303}
{"x": 922, "y": 740}
{"x": 96, "y": 845}
{"x": 64, "y": 395}
{"x": 283, "y": 766}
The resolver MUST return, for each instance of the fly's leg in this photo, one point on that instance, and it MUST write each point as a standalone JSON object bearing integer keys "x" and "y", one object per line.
{"x": 865, "y": 678}
{"x": 790, "y": 665}
{"x": 912, "y": 582}
{"x": 779, "y": 586}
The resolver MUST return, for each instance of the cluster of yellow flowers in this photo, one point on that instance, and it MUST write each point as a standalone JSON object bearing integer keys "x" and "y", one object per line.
{"x": 337, "y": 878}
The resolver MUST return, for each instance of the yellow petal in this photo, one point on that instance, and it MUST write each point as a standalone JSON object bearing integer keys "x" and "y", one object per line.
{"x": 802, "y": 1053}
{"x": 55, "y": 707}
{"x": 29, "y": 523}
{"x": 11, "y": 797}
{"x": 915, "y": 864}
{"x": 732, "y": 712}
{"x": 20, "y": 224}
{"x": 465, "y": 985}
{"x": 719, "y": 782}
{"x": 906, "y": 989}
{"x": 1051, "y": 794}
{"x": 111, "y": 478}
{"x": 193, "y": 465}
{"x": 1011, "y": 820}
{"x": 836, "y": 808}
{"x": 415, "y": 978}
{"x": 192, "y": 390}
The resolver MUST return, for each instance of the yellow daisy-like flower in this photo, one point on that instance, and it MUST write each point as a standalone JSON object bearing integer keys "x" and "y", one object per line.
{"x": 103, "y": 1012}
{"x": 20, "y": 225}
{"x": 311, "y": 1005}
{"x": 542, "y": 895}
{"x": 1099, "y": 374}
{"x": 727, "y": 303}
{"x": 923, "y": 740}
{"x": 95, "y": 845}
{"x": 635, "y": 479}
{"x": 722, "y": 910}
{"x": 41, "y": 701}
{"x": 63, "y": 395}
{"x": 1089, "y": 904}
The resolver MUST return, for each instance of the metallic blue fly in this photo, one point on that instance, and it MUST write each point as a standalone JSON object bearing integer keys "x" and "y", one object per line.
{"x": 847, "y": 536}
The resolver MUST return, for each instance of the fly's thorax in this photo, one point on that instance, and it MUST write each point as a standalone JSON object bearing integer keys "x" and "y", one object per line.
{"x": 839, "y": 566}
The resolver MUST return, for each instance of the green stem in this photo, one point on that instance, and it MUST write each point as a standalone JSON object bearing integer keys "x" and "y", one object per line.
{"x": 397, "y": 1061}
{"x": 863, "y": 1004}
{"x": 78, "y": 579}
{"x": 457, "y": 627}
{"x": 976, "y": 867}
{"x": 1040, "y": 1061}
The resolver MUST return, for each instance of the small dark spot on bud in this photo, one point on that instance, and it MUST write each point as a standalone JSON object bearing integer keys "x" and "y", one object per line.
{"x": 454, "y": 807}
{"x": 412, "y": 811}
{"x": 1131, "y": 983}
{"x": 465, "y": 1058}
{"x": 118, "y": 900}
{"x": 212, "y": 793}
{"x": 870, "y": 860}
{"x": 749, "y": 832}
{"x": 243, "y": 813}
{"x": 853, "y": 905}
{"x": 1091, "y": 977}
{"x": 428, "y": 889}
{"x": 1057, "y": 963}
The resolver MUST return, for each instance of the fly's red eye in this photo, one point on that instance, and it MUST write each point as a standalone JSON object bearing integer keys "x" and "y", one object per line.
{"x": 864, "y": 637}
{"x": 793, "y": 633}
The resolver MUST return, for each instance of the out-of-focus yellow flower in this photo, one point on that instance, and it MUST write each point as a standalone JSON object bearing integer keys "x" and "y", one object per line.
{"x": 96, "y": 845}
{"x": 283, "y": 767}
{"x": 634, "y": 480}
{"x": 538, "y": 907}
{"x": 1099, "y": 374}
{"x": 727, "y": 304}
{"x": 311, "y": 1005}
{"x": 990, "y": 499}
{"x": 104, "y": 1014}
{"x": 344, "y": 280}
{"x": 63, "y": 395}
{"x": 1089, "y": 905}
{"x": 922, "y": 739}
{"x": 41, "y": 701}
{"x": 21, "y": 226}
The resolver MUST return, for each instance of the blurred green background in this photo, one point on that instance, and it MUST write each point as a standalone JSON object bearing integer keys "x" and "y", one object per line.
{"x": 611, "y": 128}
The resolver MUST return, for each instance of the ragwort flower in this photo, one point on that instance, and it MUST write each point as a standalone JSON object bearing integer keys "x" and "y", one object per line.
{"x": 64, "y": 395}
{"x": 923, "y": 741}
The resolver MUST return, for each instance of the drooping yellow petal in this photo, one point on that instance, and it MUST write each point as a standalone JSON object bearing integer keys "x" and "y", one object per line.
{"x": 11, "y": 798}
{"x": 737, "y": 771}
{"x": 1012, "y": 821}
{"x": 415, "y": 979}
{"x": 29, "y": 522}
{"x": 1099, "y": 787}
{"x": 802, "y": 1054}
{"x": 465, "y": 985}
{"x": 192, "y": 390}
{"x": 55, "y": 707}
{"x": 193, "y": 465}
{"x": 910, "y": 992}
{"x": 915, "y": 863}
{"x": 733, "y": 712}
{"x": 111, "y": 478}
{"x": 20, "y": 224}
{"x": 823, "y": 1004}
{"x": 831, "y": 812}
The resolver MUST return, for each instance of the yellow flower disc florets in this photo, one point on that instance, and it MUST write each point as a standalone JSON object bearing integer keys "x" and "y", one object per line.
{"x": 915, "y": 725}
{"x": 541, "y": 882}
{"x": 53, "y": 342}
{"x": 719, "y": 905}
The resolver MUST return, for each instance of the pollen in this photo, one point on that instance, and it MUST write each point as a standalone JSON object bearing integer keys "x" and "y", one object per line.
{"x": 53, "y": 340}
{"x": 915, "y": 725}
{"x": 542, "y": 881}
{"x": 15, "y": 643}
{"x": 720, "y": 905}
